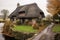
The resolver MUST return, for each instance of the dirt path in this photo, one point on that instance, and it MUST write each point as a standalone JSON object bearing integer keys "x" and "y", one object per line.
{"x": 46, "y": 31}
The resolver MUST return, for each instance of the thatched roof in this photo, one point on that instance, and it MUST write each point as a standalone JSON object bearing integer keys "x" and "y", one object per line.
{"x": 30, "y": 10}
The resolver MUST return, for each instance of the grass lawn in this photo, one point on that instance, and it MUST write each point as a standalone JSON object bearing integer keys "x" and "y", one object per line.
{"x": 24, "y": 28}
{"x": 56, "y": 28}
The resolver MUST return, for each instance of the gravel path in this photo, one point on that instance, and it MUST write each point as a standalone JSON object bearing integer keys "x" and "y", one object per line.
{"x": 46, "y": 31}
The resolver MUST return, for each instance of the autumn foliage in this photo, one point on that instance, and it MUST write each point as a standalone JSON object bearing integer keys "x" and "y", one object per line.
{"x": 53, "y": 6}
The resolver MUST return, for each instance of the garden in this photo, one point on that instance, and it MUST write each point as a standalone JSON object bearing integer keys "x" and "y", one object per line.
{"x": 31, "y": 28}
{"x": 23, "y": 31}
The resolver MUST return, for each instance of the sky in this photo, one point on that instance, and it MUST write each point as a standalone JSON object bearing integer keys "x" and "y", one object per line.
{"x": 12, "y": 4}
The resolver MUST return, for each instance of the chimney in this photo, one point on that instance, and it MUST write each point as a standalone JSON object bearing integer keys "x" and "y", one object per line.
{"x": 18, "y": 5}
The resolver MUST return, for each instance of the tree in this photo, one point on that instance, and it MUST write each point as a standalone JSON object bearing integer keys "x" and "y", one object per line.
{"x": 4, "y": 11}
{"x": 53, "y": 6}
{"x": 56, "y": 17}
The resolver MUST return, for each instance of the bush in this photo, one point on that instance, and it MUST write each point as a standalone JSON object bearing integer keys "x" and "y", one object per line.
{"x": 57, "y": 37}
{"x": 22, "y": 35}
{"x": 7, "y": 27}
{"x": 18, "y": 22}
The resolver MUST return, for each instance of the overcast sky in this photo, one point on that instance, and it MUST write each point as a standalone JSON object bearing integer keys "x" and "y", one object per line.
{"x": 12, "y": 4}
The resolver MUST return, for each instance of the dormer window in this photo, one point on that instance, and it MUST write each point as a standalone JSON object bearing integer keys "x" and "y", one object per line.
{"x": 22, "y": 13}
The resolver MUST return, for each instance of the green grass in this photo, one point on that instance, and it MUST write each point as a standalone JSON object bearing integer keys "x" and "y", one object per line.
{"x": 25, "y": 28}
{"x": 56, "y": 28}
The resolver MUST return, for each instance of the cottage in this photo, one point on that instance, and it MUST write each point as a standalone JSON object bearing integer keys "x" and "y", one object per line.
{"x": 30, "y": 11}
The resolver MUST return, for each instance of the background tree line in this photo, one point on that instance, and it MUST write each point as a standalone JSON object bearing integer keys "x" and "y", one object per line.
{"x": 5, "y": 13}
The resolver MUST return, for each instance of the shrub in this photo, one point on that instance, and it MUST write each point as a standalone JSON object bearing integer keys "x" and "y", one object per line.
{"x": 18, "y": 22}
{"x": 7, "y": 27}
{"x": 57, "y": 37}
{"x": 22, "y": 35}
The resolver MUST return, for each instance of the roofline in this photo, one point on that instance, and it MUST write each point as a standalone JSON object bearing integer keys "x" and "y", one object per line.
{"x": 29, "y": 4}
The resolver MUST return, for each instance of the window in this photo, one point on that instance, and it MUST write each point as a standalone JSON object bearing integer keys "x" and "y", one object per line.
{"x": 22, "y": 13}
{"x": 42, "y": 14}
